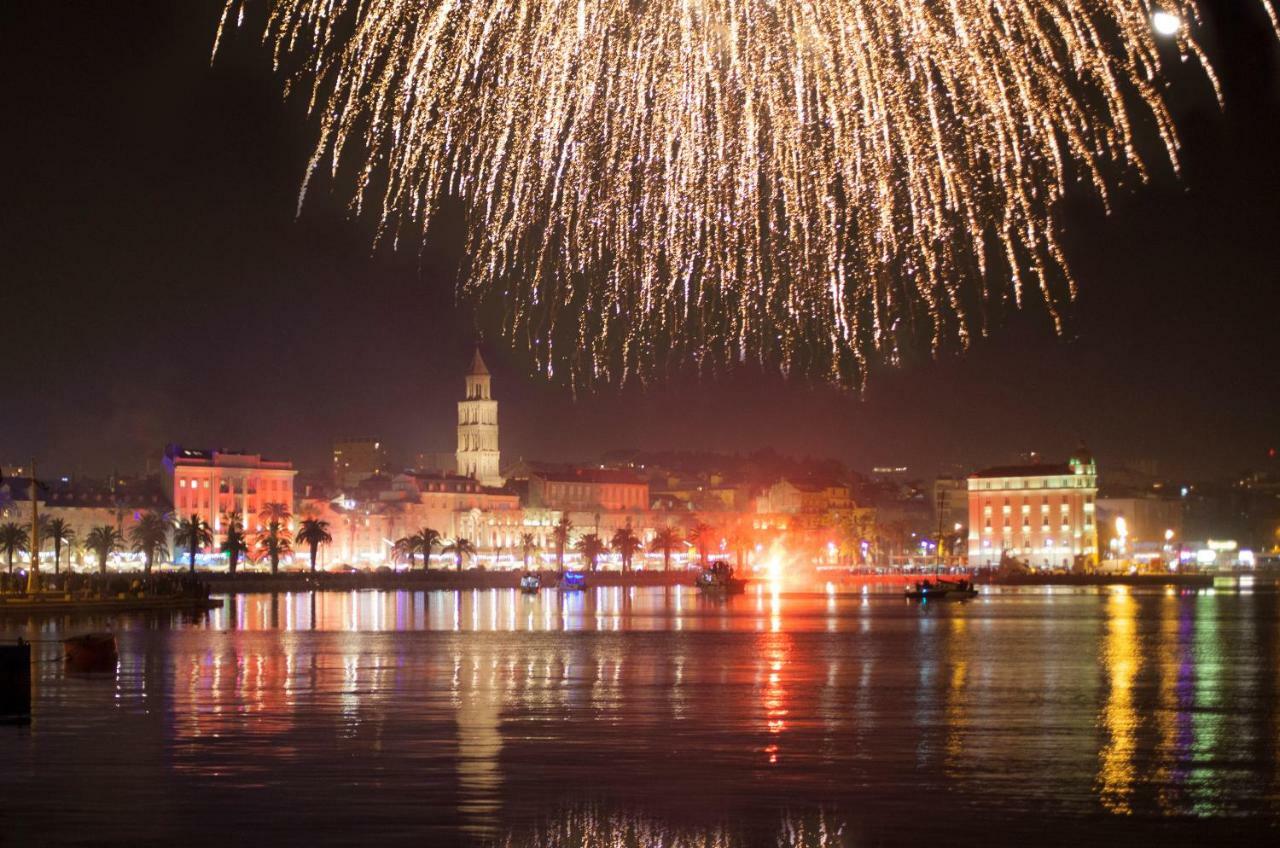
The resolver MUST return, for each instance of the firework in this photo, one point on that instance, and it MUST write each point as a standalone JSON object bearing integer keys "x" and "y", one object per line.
{"x": 806, "y": 183}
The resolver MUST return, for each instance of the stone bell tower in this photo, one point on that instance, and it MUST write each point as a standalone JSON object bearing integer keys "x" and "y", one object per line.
{"x": 478, "y": 427}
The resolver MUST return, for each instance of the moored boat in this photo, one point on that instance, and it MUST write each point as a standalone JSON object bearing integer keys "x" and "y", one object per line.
{"x": 718, "y": 579}
{"x": 531, "y": 583}
{"x": 91, "y": 652}
{"x": 941, "y": 590}
{"x": 573, "y": 581}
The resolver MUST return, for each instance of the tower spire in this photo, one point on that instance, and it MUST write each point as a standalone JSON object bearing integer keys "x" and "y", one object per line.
{"x": 478, "y": 454}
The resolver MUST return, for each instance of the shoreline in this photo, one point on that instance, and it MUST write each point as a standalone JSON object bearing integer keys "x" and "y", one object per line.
{"x": 435, "y": 580}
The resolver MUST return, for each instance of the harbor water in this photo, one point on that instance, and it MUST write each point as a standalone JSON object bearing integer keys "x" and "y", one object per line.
{"x": 654, "y": 716}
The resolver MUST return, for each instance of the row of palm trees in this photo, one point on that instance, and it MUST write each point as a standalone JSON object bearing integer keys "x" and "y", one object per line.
{"x": 150, "y": 538}
{"x": 427, "y": 540}
{"x": 590, "y": 546}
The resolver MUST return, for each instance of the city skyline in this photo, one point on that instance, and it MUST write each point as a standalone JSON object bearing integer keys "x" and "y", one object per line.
{"x": 184, "y": 286}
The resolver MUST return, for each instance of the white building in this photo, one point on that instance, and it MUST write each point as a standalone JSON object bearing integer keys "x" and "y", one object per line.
{"x": 478, "y": 454}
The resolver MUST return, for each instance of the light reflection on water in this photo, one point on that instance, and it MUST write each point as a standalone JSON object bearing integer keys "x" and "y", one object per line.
{"x": 616, "y": 716}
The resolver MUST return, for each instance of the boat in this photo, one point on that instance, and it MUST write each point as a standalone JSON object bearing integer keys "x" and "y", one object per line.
{"x": 937, "y": 589}
{"x": 573, "y": 580}
{"x": 530, "y": 583}
{"x": 91, "y": 652}
{"x": 718, "y": 579}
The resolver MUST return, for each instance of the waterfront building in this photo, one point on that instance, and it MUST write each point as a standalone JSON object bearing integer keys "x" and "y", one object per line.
{"x": 84, "y": 505}
{"x": 365, "y": 523}
{"x": 478, "y": 454}
{"x": 588, "y": 489}
{"x": 1144, "y": 519}
{"x": 1043, "y": 514}
{"x": 214, "y": 483}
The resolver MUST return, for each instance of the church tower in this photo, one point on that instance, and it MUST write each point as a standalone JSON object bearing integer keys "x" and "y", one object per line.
{"x": 478, "y": 427}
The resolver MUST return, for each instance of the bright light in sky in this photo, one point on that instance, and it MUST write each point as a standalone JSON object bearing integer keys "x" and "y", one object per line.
{"x": 1166, "y": 23}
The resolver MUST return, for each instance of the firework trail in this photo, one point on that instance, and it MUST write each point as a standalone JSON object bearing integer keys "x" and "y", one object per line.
{"x": 806, "y": 183}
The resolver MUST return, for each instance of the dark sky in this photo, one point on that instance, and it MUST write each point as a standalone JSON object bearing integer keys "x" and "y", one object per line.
{"x": 155, "y": 286}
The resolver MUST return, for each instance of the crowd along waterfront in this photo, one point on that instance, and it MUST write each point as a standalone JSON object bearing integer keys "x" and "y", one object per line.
{"x": 660, "y": 716}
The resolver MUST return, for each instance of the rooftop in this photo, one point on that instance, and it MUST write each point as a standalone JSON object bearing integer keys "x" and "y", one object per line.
{"x": 1043, "y": 469}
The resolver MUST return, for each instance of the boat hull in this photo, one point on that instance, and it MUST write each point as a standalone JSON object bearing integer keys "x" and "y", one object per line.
{"x": 91, "y": 652}
{"x": 941, "y": 594}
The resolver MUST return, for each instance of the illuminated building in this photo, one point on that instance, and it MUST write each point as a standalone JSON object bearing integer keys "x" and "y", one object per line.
{"x": 355, "y": 460}
{"x": 1042, "y": 514}
{"x": 588, "y": 489}
{"x": 118, "y": 503}
{"x": 478, "y": 454}
{"x": 806, "y": 497}
{"x": 212, "y": 483}
{"x": 365, "y": 528}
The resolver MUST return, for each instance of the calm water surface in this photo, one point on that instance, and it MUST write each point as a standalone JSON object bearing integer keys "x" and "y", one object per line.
{"x": 657, "y": 717}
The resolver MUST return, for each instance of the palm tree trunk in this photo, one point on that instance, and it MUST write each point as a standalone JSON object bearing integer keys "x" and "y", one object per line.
{"x": 314, "y": 550}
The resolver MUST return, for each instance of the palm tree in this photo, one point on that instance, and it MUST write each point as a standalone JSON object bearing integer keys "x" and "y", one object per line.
{"x": 274, "y": 544}
{"x": 560, "y": 533}
{"x": 460, "y": 548}
{"x": 274, "y": 511}
{"x": 626, "y": 543}
{"x": 528, "y": 544}
{"x": 59, "y": 532}
{"x": 425, "y": 541}
{"x": 702, "y": 535}
{"x": 104, "y": 540}
{"x": 14, "y": 539}
{"x": 591, "y": 547}
{"x": 664, "y": 542}
{"x": 741, "y": 540}
{"x": 313, "y": 532}
{"x": 193, "y": 534}
{"x": 234, "y": 543}
{"x": 150, "y": 536}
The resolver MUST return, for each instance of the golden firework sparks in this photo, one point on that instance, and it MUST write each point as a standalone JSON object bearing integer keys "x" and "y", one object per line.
{"x": 799, "y": 182}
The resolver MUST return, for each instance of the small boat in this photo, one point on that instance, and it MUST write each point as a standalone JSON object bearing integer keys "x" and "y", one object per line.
{"x": 531, "y": 583}
{"x": 942, "y": 590}
{"x": 91, "y": 652}
{"x": 573, "y": 580}
{"x": 718, "y": 579}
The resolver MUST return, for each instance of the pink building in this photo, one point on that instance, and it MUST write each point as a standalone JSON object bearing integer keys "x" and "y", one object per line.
{"x": 1043, "y": 514}
{"x": 212, "y": 483}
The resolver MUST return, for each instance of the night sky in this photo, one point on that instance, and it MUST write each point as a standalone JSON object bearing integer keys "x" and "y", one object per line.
{"x": 156, "y": 286}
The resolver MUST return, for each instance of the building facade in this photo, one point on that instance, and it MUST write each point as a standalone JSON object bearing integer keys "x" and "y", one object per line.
{"x": 478, "y": 454}
{"x": 587, "y": 489}
{"x": 213, "y": 484}
{"x": 1042, "y": 514}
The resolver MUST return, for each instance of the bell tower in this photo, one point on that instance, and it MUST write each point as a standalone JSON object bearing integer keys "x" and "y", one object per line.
{"x": 478, "y": 426}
